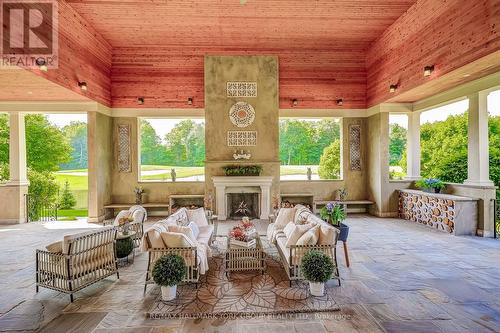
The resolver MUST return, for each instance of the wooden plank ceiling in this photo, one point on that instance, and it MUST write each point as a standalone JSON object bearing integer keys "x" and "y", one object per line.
{"x": 158, "y": 46}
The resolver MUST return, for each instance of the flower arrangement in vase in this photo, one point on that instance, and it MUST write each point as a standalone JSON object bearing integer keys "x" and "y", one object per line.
{"x": 124, "y": 224}
{"x": 139, "y": 191}
{"x": 243, "y": 234}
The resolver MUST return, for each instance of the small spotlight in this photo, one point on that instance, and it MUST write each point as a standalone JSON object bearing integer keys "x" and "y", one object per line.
{"x": 42, "y": 64}
{"x": 428, "y": 70}
{"x": 393, "y": 87}
{"x": 190, "y": 101}
{"x": 295, "y": 102}
{"x": 140, "y": 100}
{"x": 83, "y": 85}
{"x": 340, "y": 102}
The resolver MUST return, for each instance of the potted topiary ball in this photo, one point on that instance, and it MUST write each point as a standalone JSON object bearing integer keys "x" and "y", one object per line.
{"x": 317, "y": 268}
{"x": 169, "y": 271}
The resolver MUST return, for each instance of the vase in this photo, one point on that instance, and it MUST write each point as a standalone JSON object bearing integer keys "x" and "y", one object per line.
{"x": 317, "y": 288}
{"x": 344, "y": 232}
{"x": 138, "y": 198}
{"x": 168, "y": 293}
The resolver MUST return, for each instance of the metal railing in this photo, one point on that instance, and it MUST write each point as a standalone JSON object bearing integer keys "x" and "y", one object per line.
{"x": 496, "y": 218}
{"x": 38, "y": 209}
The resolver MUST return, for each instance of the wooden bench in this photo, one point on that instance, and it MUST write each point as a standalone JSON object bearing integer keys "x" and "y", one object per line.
{"x": 122, "y": 206}
{"x": 357, "y": 206}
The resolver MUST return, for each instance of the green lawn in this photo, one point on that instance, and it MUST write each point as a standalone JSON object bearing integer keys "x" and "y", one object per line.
{"x": 297, "y": 169}
{"x": 75, "y": 182}
{"x": 71, "y": 214}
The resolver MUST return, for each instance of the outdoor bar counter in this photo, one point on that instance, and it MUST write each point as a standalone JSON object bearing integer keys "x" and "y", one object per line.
{"x": 445, "y": 212}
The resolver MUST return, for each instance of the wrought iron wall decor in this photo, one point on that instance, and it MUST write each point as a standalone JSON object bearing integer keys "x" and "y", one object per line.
{"x": 241, "y": 89}
{"x": 124, "y": 162}
{"x": 241, "y": 138}
{"x": 355, "y": 147}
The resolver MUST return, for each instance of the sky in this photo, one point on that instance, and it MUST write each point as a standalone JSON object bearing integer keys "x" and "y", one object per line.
{"x": 164, "y": 126}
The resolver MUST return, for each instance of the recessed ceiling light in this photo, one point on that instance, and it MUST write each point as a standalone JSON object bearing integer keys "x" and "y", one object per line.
{"x": 83, "y": 86}
{"x": 42, "y": 64}
{"x": 393, "y": 87}
{"x": 428, "y": 70}
{"x": 340, "y": 102}
{"x": 140, "y": 100}
{"x": 190, "y": 101}
{"x": 295, "y": 102}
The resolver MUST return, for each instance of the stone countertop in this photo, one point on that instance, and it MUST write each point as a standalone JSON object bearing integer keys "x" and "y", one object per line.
{"x": 440, "y": 195}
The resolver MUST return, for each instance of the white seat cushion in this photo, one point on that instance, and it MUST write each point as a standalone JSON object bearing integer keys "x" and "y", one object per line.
{"x": 180, "y": 217}
{"x": 55, "y": 247}
{"x": 281, "y": 243}
{"x": 68, "y": 238}
{"x": 183, "y": 230}
{"x": 175, "y": 239}
{"x": 327, "y": 234}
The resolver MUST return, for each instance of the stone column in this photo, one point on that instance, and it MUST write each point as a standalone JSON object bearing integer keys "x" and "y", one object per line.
{"x": 478, "y": 154}
{"x": 93, "y": 200}
{"x": 12, "y": 206}
{"x": 413, "y": 146}
{"x": 265, "y": 203}
{"x": 220, "y": 200}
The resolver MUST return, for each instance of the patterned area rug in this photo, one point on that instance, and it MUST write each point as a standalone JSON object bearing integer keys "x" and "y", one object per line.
{"x": 243, "y": 293}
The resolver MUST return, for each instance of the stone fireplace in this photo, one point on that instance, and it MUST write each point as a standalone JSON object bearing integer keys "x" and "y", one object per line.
{"x": 236, "y": 196}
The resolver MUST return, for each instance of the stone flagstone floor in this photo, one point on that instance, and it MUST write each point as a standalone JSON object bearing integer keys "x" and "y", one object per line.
{"x": 403, "y": 278}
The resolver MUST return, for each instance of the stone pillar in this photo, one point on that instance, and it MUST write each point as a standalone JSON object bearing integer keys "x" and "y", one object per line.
{"x": 13, "y": 193}
{"x": 93, "y": 202}
{"x": 478, "y": 154}
{"x": 220, "y": 201}
{"x": 413, "y": 147}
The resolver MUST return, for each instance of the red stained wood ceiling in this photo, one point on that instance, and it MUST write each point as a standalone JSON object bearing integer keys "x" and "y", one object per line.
{"x": 277, "y": 24}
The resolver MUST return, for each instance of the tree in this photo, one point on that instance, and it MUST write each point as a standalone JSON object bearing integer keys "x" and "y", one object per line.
{"x": 397, "y": 143}
{"x": 76, "y": 135}
{"x": 67, "y": 199}
{"x": 185, "y": 144}
{"x": 152, "y": 150}
{"x": 296, "y": 140}
{"x": 329, "y": 164}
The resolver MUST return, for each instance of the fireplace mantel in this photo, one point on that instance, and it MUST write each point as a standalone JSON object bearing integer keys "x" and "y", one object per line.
{"x": 222, "y": 183}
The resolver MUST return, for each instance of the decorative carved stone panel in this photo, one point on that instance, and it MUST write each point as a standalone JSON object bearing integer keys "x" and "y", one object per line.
{"x": 241, "y": 89}
{"x": 242, "y": 114}
{"x": 241, "y": 138}
{"x": 124, "y": 162}
{"x": 355, "y": 147}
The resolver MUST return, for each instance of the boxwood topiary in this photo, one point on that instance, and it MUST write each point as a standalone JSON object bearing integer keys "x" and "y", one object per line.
{"x": 317, "y": 266}
{"x": 169, "y": 270}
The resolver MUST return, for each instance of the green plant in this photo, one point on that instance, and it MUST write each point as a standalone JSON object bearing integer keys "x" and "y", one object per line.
{"x": 317, "y": 266}
{"x": 242, "y": 170}
{"x": 67, "y": 199}
{"x": 333, "y": 212}
{"x": 169, "y": 270}
{"x": 329, "y": 163}
{"x": 430, "y": 183}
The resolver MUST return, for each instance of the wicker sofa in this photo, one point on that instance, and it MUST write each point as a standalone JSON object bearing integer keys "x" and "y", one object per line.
{"x": 173, "y": 236}
{"x": 77, "y": 262}
{"x": 323, "y": 237}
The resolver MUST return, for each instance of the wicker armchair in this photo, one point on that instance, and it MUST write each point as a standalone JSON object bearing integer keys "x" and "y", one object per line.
{"x": 85, "y": 259}
{"x": 139, "y": 215}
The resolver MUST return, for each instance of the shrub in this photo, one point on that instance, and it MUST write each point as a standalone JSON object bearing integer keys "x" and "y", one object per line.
{"x": 317, "y": 266}
{"x": 430, "y": 183}
{"x": 67, "y": 199}
{"x": 242, "y": 170}
{"x": 329, "y": 162}
{"x": 169, "y": 270}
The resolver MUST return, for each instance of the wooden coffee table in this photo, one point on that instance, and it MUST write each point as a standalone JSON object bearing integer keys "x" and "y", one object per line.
{"x": 238, "y": 259}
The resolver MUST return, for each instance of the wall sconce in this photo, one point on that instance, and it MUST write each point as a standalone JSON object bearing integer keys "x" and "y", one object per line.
{"x": 393, "y": 87}
{"x": 295, "y": 102}
{"x": 83, "y": 85}
{"x": 340, "y": 102}
{"x": 42, "y": 65}
{"x": 428, "y": 70}
{"x": 140, "y": 100}
{"x": 190, "y": 101}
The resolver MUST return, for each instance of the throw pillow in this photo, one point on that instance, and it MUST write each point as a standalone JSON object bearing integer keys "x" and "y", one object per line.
{"x": 55, "y": 247}
{"x": 289, "y": 229}
{"x": 174, "y": 239}
{"x": 297, "y": 232}
{"x": 198, "y": 216}
{"x": 285, "y": 215}
{"x": 194, "y": 227}
{"x": 183, "y": 230}
{"x": 310, "y": 237}
{"x": 180, "y": 217}
{"x": 327, "y": 235}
